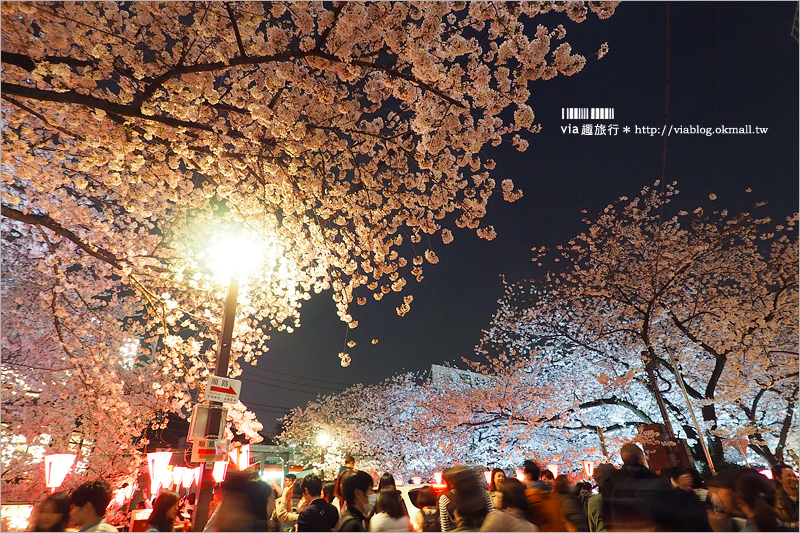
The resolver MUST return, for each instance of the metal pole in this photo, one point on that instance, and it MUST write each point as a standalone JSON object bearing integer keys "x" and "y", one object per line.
{"x": 215, "y": 408}
{"x": 700, "y": 435}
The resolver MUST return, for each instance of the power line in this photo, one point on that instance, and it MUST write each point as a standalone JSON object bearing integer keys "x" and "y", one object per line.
{"x": 289, "y": 382}
{"x": 304, "y": 377}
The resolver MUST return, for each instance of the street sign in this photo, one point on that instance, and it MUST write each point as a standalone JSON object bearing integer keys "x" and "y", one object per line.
{"x": 221, "y": 389}
{"x": 205, "y": 450}
{"x": 199, "y": 421}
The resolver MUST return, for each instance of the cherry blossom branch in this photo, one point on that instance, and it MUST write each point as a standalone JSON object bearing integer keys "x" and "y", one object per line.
{"x": 616, "y": 401}
{"x": 232, "y": 16}
{"x": 46, "y": 221}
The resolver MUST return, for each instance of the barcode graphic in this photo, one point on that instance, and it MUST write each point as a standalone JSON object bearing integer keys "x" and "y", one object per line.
{"x": 594, "y": 113}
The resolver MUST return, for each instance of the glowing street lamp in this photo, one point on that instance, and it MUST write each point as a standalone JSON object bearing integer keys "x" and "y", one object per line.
{"x": 56, "y": 468}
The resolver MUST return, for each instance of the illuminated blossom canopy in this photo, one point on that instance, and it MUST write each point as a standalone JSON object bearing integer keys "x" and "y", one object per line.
{"x": 341, "y": 135}
{"x": 707, "y": 296}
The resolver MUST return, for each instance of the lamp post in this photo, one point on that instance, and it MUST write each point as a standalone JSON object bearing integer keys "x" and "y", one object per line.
{"x": 323, "y": 439}
{"x": 215, "y": 408}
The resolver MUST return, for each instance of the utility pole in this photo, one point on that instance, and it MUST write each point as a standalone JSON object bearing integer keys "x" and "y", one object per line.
{"x": 215, "y": 408}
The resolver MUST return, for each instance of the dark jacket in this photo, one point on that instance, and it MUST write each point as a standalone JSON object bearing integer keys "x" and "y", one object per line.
{"x": 637, "y": 499}
{"x": 318, "y": 516}
{"x": 351, "y": 520}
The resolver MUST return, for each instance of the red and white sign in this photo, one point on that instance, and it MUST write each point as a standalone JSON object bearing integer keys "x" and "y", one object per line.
{"x": 204, "y": 450}
{"x": 221, "y": 389}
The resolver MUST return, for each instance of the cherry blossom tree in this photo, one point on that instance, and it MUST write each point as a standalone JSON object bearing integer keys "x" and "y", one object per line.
{"x": 338, "y": 134}
{"x": 704, "y": 297}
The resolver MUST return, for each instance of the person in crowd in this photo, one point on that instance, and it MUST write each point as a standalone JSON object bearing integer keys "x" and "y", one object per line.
{"x": 52, "y": 514}
{"x": 755, "y": 497}
{"x": 427, "y": 517}
{"x": 359, "y": 499}
{"x": 594, "y": 505}
{"x": 89, "y": 502}
{"x": 243, "y": 506}
{"x": 547, "y": 477}
{"x": 328, "y": 491}
{"x": 390, "y": 513}
{"x": 786, "y": 504}
{"x": 571, "y": 508}
{"x": 465, "y": 493}
{"x": 544, "y": 507}
{"x": 286, "y": 511}
{"x": 165, "y": 509}
{"x": 639, "y": 499}
{"x": 511, "y": 513}
{"x": 724, "y": 514}
{"x": 349, "y": 464}
{"x": 318, "y": 515}
{"x": 262, "y": 500}
{"x": 338, "y": 498}
{"x": 386, "y": 482}
{"x": 495, "y": 480}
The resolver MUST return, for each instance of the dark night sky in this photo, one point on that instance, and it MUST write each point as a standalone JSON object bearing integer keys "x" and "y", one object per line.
{"x": 731, "y": 64}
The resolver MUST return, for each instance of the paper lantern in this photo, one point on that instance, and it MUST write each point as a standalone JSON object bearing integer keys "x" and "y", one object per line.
{"x": 588, "y": 468}
{"x": 178, "y": 474}
{"x": 56, "y": 468}
{"x": 417, "y": 480}
{"x": 488, "y": 476}
{"x": 190, "y": 477}
{"x": 220, "y": 471}
{"x": 243, "y": 457}
{"x": 437, "y": 476}
{"x": 158, "y": 463}
{"x": 553, "y": 469}
{"x": 520, "y": 474}
{"x": 766, "y": 472}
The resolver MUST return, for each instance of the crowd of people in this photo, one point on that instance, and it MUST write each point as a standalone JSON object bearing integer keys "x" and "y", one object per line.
{"x": 628, "y": 498}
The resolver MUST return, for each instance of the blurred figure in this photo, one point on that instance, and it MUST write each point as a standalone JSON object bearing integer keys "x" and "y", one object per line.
{"x": 594, "y": 505}
{"x": 165, "y": 509}
{"x": 318, "y": 515}
{"x": 390, "y": 513}
{"x": 638, "y": 499}
{"x": 496, "y": 479}
{"x": 755, "y": 496}
{"x": 511, "y": 511}
{"x": 52, "y": 514}
{"x": 571, "y": 508}
{"x": 465, "y": 493}
{"x": 786, "y": 504}
{"x": 724, "y": 514}
{"x": 544, "y": 507}
{"x": 89, "y": 502}
{"x": 427, "y": 517}
{"x": 237, "y": 510}
{"x": 349, "y": 464}
{"x": 548, "y": 478}
{"x": 359, "y": 499}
